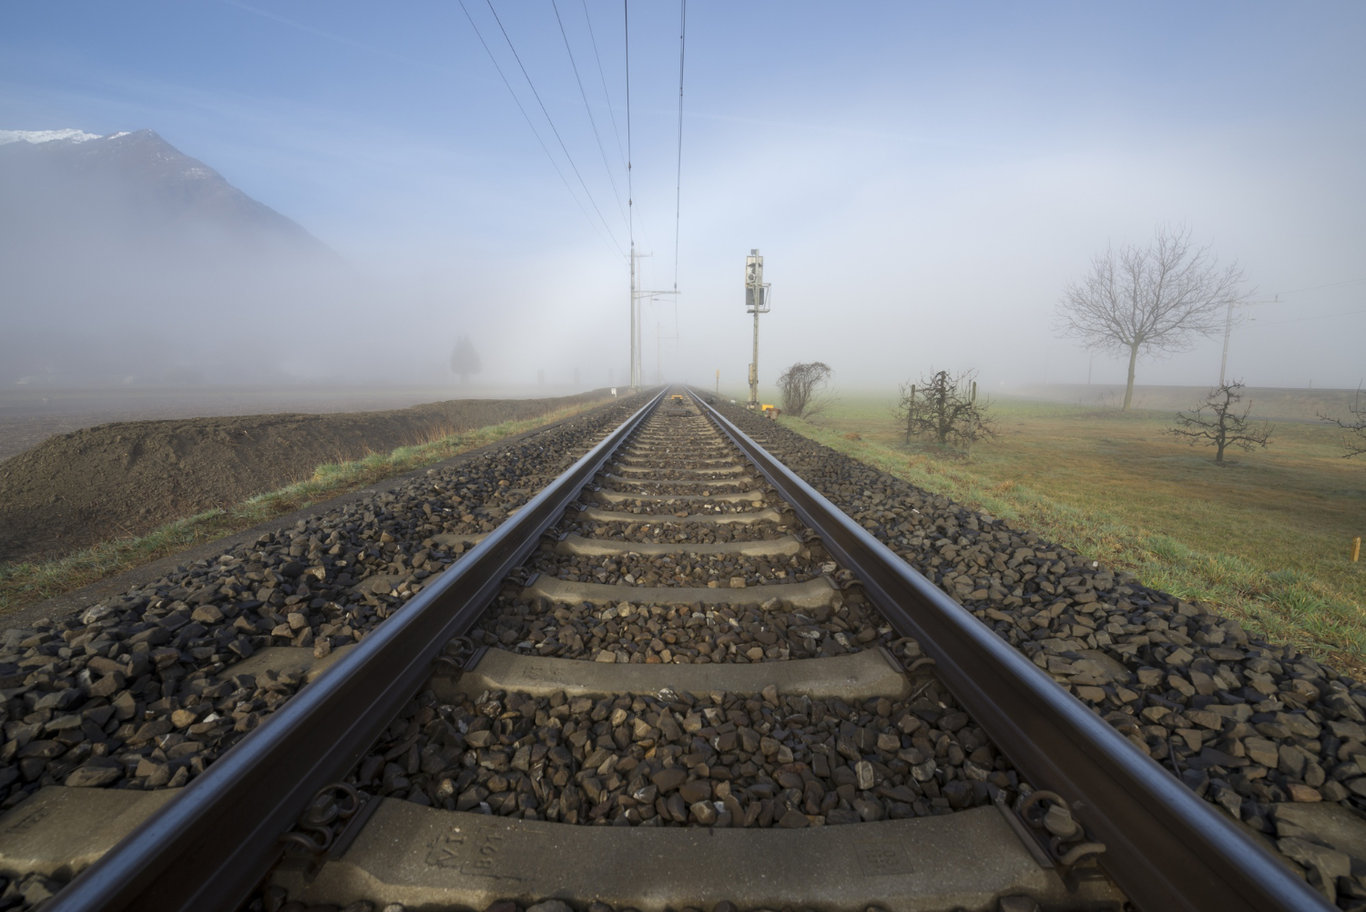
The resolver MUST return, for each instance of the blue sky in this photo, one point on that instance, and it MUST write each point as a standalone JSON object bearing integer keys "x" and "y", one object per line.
{"x": 922, "y": 179}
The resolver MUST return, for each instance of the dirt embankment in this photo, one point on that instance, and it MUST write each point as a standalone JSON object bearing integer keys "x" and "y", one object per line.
{"x": 127, "y": 478}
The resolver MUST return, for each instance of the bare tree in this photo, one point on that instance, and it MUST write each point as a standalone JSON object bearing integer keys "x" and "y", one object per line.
{"x": 944, "y": 407}
{"x": 1354, "y": 441}
{"x": 800, "y": 386}
{"x": 1217, "y": 422}
{"x": 464, "y": 359}
{"x": 1150, "y": 299}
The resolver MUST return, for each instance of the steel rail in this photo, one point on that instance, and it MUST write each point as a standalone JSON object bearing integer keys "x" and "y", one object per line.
{"x": 211, "y": 845}
{"x": 1166, "y": 848}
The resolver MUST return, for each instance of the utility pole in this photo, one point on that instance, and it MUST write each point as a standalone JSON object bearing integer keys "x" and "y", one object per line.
{"x": 1228, "y": 330}
{"x": 635, "y": 327}
{"x": 756, "y": 302}
{"x": 637, "y": 321}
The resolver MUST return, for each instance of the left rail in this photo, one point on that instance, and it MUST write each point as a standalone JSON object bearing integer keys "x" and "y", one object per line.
{"x": 209, "y": 847}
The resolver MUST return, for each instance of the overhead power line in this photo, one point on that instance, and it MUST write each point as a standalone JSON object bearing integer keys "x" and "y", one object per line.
{"x": 1345, "y": 313}
{"x": 678, "y": 178}
{"x": 616, "y": 131}
{"x": 588, "y": 108}
{"x": 630, "y": 193}
{"x": 1329, "y": 285}
{"x": 537, "y": 133}
{"x": 551, "y": 121}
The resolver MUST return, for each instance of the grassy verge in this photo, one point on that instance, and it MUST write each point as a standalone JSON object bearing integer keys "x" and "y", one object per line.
{"x": 1265, "y": 540}
{"x": 26, "y": 583}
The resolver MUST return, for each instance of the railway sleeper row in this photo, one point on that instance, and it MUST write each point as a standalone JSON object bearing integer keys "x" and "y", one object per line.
{"x": 652, "y": 688}
{"x": 683, "y": 664}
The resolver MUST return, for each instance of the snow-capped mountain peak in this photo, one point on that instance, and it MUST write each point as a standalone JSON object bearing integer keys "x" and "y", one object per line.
{"x": 43, "y": 136}
{"x": 134, "y": 186}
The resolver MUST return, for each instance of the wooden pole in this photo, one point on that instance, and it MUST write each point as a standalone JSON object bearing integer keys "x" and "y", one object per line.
{"x": 1356, "y": 549}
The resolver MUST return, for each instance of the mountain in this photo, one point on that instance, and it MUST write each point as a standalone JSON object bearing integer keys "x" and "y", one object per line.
{"x": 125, "y": 260}
{"x": 134, "y": 181}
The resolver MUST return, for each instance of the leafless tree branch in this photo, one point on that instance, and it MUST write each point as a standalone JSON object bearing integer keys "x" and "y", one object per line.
{"x": 800, "y": 385}
{"x": 1158, "y": 298}
{"x": 1354, "y": 441}
{"x": 944, "y": 407}
{"x": 1216, "y": 421}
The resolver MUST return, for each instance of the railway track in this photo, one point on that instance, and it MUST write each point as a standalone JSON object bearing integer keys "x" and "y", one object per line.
{"x": 675, "y": 678}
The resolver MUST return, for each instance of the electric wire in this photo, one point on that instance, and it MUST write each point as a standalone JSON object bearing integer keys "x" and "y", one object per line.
{"x": 544, "y": 148}
{"x": 630, "y": 201}
{"x": 1318, "y": 287}
{"x": 551, "y": 121}
{"x": 630, "y": 192}
{"x": 1345, "y": 313}
{"x": 678, "y": 176}
{"x": 616, "y": 130}
{"x": 587, "y": 107}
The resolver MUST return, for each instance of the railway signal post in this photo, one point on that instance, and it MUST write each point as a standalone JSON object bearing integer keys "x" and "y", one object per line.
{"x": 756, "y": 302}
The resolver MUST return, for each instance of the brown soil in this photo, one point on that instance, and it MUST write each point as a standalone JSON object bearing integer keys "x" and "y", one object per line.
{"x": 127, "y": 478}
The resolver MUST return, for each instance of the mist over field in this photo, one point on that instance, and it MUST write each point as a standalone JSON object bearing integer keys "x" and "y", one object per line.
{"x": 127, "y": 264}
{"x": 923, "y": 185}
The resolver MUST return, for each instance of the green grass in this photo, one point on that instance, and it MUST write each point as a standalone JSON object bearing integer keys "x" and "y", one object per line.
{"x": 1265, "y": 539}
{"x": 26, "y": 583}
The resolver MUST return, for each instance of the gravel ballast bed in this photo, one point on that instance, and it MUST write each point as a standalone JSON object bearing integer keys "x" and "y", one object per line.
{"x": 681, "y": 507}
{"x": 682, "y": 570}
{"x": 681, "y": 634}
{"x": 132, "y": 692}
{"x": 732, "y": 760}
{"x": 678, "y": 531}
{"x": 1244, "y": 723}
{"x": 730, "y": 484}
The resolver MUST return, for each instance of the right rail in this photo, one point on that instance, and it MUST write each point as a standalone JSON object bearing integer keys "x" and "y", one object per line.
{"x": 1165, "y": 847}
